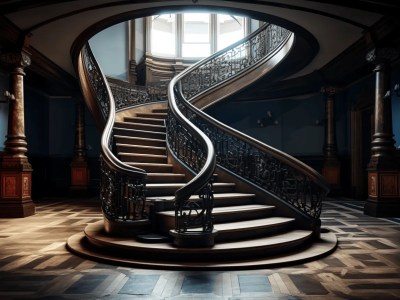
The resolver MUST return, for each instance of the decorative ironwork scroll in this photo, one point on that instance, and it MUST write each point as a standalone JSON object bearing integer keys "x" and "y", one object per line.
{"x": 271, "y": 170}
{"x": 122, "y": 190}
{"x": 128, "y": 95}
{"x": 122, "y": 196}
{"x": 233, "y": 60}
{"x": 190, "y": 213}
{"x": 266, "y": 169}
{"x": 96, "y": 81}
{"x": 196, "y": 214}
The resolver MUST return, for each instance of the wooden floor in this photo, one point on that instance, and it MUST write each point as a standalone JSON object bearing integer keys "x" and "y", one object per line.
{"x": 34, "y": 263}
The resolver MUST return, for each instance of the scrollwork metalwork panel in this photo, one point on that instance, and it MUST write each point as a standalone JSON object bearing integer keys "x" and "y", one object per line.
{"x": 196, "y": 214}
{"x": 127, "y": 95}
{"x": 233, "y": 61}
{"x": 190, "y": 213}
{"x": 257, "y": 165}
{"x": 122, "y": 191}
{"x": 96, "y": 81}
{"x": 122, "y": 196}
{"x": 265, "y": 170}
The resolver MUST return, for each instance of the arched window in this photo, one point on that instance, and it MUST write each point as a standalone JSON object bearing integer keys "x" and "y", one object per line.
{"x": 163, "y": 35}
{"x": 196, "y": 40}
{"x": 194, "y": 35}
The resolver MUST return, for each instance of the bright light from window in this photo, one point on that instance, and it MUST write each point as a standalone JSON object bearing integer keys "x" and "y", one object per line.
{"x": 163, "y": 35}
{"x": 230, "y": 30}
{"x": 196, "y": 35}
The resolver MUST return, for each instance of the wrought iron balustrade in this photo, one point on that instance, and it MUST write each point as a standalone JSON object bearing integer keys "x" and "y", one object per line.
{"x": 190, "y": 145}
{"x": 122, "y": 190}
{"x": 233, "y": 60}
{"x": 127, "y": 95}
{"x": 273, "y": 171}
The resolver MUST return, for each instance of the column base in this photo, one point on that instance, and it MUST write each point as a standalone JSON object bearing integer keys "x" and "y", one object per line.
{"x": 11, "y": 209}
{"x": 382, "y": 209}
{"x": 331, "y": 173}
{"x": 79, "y": 175}
{"x": 15, "y": 187}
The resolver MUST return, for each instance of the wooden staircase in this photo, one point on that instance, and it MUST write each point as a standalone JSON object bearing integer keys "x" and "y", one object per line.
{"x": 249, "y": 233}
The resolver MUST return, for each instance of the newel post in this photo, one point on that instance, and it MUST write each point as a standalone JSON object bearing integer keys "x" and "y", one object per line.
{"x": 15, "y": 169}
{"x": 383, "y": 168}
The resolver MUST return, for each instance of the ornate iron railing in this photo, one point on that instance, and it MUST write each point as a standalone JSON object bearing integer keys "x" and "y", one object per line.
{"x": 230, "y": 62}
{"x": 273, "y": 171}
{"x": 270, "y": 169}
{"x": 127, "y": 95}
{"x": 123, "y": 187}
{"x": 193, "y": 148}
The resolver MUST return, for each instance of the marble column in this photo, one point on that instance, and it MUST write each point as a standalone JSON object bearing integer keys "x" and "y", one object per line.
{"x": 383, "y": 169}
{"x": 331, "y": 167}
{"x": 79, "y": 166}
{"x": 15, "y": 169}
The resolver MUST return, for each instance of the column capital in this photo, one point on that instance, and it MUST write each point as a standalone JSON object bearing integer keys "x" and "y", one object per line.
{"x": 16, "y": 59}
{"x": 382, "y": 55}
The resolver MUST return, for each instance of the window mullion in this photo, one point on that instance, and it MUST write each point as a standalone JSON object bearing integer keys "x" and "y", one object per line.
{"x": 213, "y": 33}
{"x": 179, "y": 34}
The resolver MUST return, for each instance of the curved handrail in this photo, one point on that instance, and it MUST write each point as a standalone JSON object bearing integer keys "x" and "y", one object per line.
{"x": 201, "y": 159}
{"x": 234, "y": 60}
{"x": 123, "y": 186}
{"x": 278, "y": 173}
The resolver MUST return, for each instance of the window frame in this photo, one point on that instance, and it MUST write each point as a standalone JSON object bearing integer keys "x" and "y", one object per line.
{"x": 179, "y": 38}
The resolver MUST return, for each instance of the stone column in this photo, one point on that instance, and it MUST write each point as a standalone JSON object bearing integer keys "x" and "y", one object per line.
{"x": 15, "y": 169}
{"x": 383, "y": 170}
{"x": 331, "y": 167}
{"x": 79, "y": 166}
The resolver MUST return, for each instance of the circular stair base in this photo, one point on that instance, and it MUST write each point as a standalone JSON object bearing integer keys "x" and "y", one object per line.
{"x": 80, "y": 245}
{"x": 193, "y": 239}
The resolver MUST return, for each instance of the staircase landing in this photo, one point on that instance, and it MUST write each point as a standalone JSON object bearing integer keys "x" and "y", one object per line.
{"x": 97, "y": 245}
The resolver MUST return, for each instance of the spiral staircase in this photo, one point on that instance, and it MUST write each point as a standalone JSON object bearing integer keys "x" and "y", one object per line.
{"x": 180, "y": 189}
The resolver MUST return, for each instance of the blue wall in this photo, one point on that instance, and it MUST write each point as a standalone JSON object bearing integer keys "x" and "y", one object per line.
{"x": 3, "y": 110}
{"x": 50, "y": 133}
{"x": 295, "y": 125}
{"x": 110, "y": 47}
{"x": 396, "y": 105}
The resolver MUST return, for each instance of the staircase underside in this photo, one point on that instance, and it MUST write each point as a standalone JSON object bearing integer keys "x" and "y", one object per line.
{"x": 95, "y": 244}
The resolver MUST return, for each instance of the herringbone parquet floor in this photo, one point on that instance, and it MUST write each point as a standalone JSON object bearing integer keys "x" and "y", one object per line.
{"x": 34, "y": 263}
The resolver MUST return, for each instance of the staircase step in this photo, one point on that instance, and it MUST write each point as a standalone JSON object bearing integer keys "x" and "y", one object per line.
{"x": 160, "y": 110}
{"x": 122, "y": 139}
{"x": 152, "y": 167}
{"x": 140, "y": 126}
{"x": 222, "y": 214}
{"x": 168, "y": 189}
{"x": 144, "y": 120}
{"x": 268, "y": 251}
{"x": 220, "y": 199}
{"x": 152, "y": 115}
{"x": 139, "y": 133}
{"x": 140, "y": 149}
{"x": 244, "y": 230}
{"x": 138, "y": 157}
{"x": 165, "y": 177}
